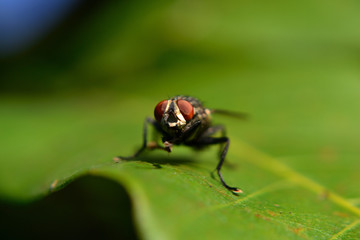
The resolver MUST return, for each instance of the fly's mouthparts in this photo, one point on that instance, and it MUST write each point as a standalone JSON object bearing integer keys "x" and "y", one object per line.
{"x": 172, "y": 118}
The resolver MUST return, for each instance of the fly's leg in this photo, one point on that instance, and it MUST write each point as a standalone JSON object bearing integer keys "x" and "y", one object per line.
{"x": 144, "y": 146}
{"x": 218, "y": 168}
{"x": 207, "y": 140}
{"x": 214, "y": 129}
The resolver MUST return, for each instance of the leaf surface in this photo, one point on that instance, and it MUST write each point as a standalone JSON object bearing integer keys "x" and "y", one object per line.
{"x": 296, "y": 158}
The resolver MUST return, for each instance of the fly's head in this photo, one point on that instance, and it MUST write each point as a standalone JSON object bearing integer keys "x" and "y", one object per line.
{"x": 174, "y": 114}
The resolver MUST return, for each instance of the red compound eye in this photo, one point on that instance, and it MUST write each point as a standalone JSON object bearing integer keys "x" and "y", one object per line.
{"x": 186, "y": 109}
{"x": 160, "y": 109}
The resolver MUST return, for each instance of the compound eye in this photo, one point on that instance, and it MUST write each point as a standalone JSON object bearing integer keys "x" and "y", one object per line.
{"x": 160, "y": 109}
{"x": 186, "y": 109}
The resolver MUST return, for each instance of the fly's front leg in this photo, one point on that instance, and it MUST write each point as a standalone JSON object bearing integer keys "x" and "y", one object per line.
{"x": 144, "y": 146}
{"x": 220, "y": 140}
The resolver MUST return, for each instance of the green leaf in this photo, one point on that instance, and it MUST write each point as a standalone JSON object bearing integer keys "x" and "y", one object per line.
{"x": 296, "y": 158}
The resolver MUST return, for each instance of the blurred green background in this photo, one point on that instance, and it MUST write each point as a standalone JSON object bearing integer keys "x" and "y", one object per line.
{"x": 78, "y": 96}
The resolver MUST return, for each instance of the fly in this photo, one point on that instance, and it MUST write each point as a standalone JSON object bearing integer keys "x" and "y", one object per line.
{"x": 184, "y": 120}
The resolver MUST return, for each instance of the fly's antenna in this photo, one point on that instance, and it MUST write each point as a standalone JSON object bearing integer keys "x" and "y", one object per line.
{"x": 238, "y": 115}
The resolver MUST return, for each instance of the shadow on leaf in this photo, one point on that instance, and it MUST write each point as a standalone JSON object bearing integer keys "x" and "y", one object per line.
{"x": 89, "y": 208}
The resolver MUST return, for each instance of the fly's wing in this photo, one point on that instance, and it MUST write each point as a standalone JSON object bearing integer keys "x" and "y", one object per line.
{"x": 238, "y": 115}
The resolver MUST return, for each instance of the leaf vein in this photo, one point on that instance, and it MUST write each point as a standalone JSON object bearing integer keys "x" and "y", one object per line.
{"x": 269, "y": 188}
{"x": 271, "y": 164}
{"x": 346, "y": 229}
